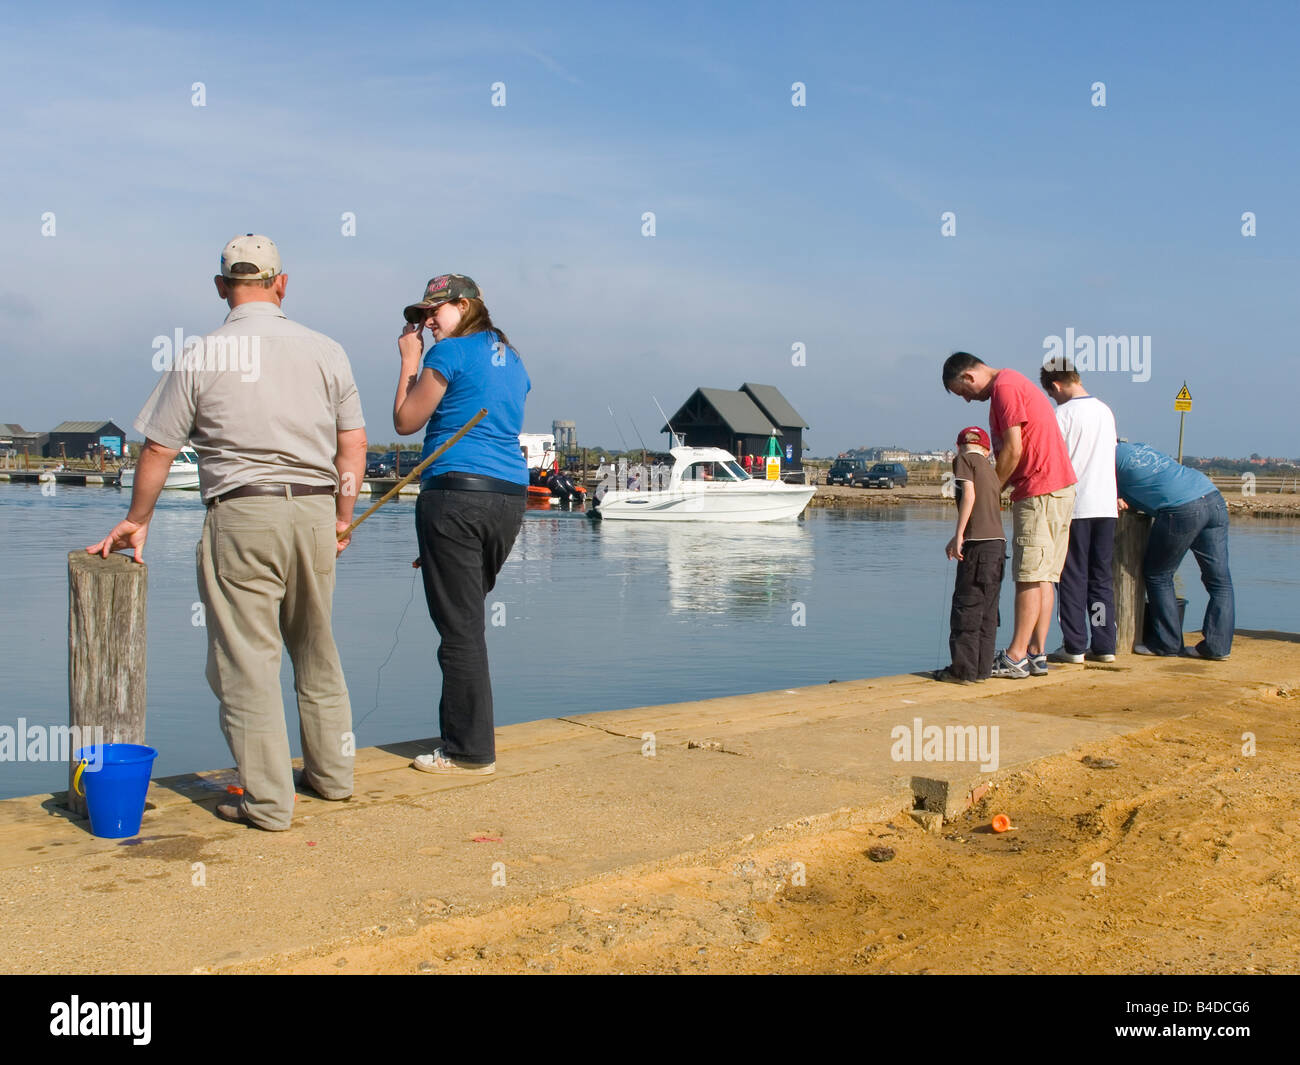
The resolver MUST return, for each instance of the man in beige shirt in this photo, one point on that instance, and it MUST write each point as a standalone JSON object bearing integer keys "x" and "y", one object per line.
{"x": 272, "y": 411}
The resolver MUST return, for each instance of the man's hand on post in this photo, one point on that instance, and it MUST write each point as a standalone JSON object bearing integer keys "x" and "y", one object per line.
{"x": 126, "y": 534}
{"x": 150, "y": 477}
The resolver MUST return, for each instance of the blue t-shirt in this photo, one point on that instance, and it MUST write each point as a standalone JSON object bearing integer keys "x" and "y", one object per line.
{"x": 1150, "y": 480}
{"x": 480, "y": 372}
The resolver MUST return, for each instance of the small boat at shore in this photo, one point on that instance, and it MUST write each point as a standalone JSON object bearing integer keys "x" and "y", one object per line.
{"x": 183, "y": 474}
{"x": 546, "y": 484}
{"x": 704, "y": 484}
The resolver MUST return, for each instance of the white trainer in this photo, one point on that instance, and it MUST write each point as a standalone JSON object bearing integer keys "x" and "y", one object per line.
{"x": 440, "y": 763}
{"x": 1062, "y": 655}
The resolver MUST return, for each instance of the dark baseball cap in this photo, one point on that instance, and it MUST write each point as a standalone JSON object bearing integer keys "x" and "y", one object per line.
{"x": 442, "y": 289}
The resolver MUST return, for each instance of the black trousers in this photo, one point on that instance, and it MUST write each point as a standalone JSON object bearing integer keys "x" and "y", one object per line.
{"x": 974, "y": 624}
{"x": 1085, "y": 593}
{"x": 464, "y": 539}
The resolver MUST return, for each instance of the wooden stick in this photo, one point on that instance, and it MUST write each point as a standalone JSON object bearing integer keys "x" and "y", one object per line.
{"x": 417, "y": 471}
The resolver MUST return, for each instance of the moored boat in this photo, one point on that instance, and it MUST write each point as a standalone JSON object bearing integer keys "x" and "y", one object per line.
{"x": 183, "y": 474}
{"x": 546, "y": 484}
{"x": 704, "y": 484}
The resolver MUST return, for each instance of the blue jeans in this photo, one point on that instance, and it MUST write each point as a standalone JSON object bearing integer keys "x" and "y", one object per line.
{"x": 1202, "y": 527}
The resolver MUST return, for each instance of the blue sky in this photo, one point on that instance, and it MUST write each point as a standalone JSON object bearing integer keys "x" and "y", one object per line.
{"x": 775, "y": 224}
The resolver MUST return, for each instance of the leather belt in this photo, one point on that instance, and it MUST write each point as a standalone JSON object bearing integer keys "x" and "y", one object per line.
{"x": 284, "y": 491}
{"x": 473, "y": 482}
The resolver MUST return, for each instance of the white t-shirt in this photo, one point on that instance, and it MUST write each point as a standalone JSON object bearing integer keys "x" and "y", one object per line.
{"x": 1089, "y": 430}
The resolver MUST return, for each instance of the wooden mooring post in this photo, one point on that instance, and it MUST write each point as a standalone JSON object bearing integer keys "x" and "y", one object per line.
{"x": 106, "y": 652}
{"x": 1131, "y": 534}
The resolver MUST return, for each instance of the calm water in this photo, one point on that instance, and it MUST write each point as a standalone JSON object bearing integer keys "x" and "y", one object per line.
{"x": 597, "y": 616}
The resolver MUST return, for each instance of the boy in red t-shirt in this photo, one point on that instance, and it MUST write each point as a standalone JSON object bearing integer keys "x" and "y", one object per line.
{"x": 1033, "y": 460}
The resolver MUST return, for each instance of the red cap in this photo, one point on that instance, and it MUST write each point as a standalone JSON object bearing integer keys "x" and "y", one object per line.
{"x": 973, "y": 434}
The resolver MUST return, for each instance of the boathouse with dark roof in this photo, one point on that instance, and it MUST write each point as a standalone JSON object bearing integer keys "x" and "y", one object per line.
{"x": 14, "y": 439}
{"x": 80, "y": 439}
{"x": 742, "y": 422}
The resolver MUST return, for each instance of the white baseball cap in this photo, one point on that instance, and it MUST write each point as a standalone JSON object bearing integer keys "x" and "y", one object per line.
{"x": 250, "y": 258}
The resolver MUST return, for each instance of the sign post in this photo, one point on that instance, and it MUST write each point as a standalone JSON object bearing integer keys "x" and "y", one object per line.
{"x": 773, "y": 462}
{"x": 1182, "y": 404}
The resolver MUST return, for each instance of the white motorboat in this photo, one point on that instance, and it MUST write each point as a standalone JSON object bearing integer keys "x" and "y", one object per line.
{"x": 704, "y": 484}
{"x": 184, "y": 472}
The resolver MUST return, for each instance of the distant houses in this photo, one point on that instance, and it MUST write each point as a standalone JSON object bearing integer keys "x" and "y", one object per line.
{"x": 898, "y": 454}
{"x": 72, "y": 440}
{"x": 18, "y": 440}
{"x": 884, "y": 454}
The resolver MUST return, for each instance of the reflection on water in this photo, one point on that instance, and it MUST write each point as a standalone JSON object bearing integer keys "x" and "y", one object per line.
{"x": 718, "y": 568}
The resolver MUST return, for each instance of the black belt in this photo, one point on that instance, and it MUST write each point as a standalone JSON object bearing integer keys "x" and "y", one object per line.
{"x": 473, "y": 482}
{"x": 284, "y": 491}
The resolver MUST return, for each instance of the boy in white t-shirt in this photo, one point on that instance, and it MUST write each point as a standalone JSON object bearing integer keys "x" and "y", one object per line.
{"x": 1085, "y": 594}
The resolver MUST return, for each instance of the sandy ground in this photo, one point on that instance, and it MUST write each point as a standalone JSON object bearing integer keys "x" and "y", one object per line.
{"x": 1183, "y": 856}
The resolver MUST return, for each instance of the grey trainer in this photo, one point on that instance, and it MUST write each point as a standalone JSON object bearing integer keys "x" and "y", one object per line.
{"x": 1006, "y": 667}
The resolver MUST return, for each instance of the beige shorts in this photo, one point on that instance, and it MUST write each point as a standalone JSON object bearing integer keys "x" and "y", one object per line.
{"x": 1042, "y": 535}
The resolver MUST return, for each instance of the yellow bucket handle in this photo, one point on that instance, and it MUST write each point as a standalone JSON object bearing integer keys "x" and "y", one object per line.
{"x": 76, "y": 779}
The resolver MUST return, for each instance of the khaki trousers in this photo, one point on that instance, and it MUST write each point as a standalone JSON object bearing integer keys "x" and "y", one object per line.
{"x": 266, "y": 580}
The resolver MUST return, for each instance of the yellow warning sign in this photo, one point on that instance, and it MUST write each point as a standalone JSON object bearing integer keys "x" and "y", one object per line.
{"x": 1183, "y": 401}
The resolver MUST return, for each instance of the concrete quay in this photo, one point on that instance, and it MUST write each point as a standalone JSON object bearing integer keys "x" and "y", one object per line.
{"x": 574, "y": 800}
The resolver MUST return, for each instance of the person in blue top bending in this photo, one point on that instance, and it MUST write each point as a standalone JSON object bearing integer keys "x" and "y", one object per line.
{"x": 1189, "y": 513}
{"x": 471, "y": 502}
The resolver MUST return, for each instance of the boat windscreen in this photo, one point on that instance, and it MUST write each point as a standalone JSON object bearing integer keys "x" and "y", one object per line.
{"x": 738, "y": 471}
{"x": 712, "y": 471}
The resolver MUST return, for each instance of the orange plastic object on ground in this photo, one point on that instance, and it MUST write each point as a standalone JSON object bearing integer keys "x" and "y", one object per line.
{"x": 1001, "y": 823}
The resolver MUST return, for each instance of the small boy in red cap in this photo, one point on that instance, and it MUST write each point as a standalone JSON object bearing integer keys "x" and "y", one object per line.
{"x": 979, "y": 546}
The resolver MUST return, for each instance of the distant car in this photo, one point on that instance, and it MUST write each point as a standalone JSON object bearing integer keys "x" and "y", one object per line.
{"x": 410, "y": 459}
{"x": 378, "y": 468}
{"x": 848, "y": 472}
{"x": 887, "y": 475}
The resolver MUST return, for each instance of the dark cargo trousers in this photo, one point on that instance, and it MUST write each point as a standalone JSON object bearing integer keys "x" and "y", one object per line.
{"x": 465, "y": 538}
{"x": 974, "y": 622}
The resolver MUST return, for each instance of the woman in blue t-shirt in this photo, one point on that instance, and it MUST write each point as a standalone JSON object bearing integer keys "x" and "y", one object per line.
{"x": 471, "y": 502}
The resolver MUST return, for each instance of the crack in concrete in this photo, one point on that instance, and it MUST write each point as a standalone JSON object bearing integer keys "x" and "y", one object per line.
{"x": 689, "y": 744}
{"x": 597, "y": 728}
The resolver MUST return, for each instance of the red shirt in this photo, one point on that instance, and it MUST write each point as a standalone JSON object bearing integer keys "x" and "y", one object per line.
{"x": 1044, "y": 459}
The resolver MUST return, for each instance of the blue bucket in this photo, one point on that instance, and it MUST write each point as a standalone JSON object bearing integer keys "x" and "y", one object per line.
{"x": 114, "y": 778}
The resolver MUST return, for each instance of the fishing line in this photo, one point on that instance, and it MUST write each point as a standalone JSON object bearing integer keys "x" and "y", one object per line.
{"x": 392, "y": 494}
{"x": 397, "y": 638}
{"x": 946, "y": 595}
{"x": 619, "y": 428}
